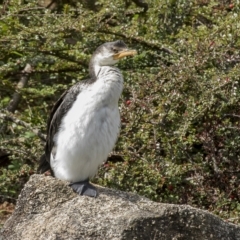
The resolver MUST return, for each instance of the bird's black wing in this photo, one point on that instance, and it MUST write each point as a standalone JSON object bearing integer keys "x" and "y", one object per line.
{"x": 58, "y": 111}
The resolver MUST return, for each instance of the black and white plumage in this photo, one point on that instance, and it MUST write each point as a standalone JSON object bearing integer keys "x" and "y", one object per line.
{"x": 84, "y": 124}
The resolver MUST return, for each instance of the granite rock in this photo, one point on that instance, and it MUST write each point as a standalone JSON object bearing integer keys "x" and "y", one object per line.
{"x": 48, "y": 209}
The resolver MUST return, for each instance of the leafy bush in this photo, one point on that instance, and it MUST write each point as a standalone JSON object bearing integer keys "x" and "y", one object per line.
{"x": 180, "y": 106}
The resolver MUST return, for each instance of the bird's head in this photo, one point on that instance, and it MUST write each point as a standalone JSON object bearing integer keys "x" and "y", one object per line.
{"x": 110, "y": 53}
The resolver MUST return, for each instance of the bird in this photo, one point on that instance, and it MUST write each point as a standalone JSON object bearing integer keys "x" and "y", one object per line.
{"x": 84, "y": 123}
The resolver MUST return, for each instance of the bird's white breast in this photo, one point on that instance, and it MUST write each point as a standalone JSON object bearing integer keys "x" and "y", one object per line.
{"x": 90, "y": 129}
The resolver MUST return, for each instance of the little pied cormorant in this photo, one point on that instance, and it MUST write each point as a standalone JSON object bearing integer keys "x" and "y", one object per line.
{"x": 84, "y": 123}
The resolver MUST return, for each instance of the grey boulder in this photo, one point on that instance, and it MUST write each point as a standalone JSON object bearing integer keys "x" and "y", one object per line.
{"x": 48, "y": 209}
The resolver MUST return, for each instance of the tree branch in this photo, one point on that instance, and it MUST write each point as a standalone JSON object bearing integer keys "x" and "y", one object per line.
{"x": 9, "y": 117}
{"x": 139, "y": 40}
{"x": 12, "y": 106}
{"x": 231, "y": 115}
{"x": 142, "y": 4}
{"x": 65, "y": 57}
{"x": 4, "y": 7}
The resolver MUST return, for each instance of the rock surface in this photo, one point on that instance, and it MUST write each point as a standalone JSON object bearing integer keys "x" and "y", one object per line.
{"x": 48, "y": 209}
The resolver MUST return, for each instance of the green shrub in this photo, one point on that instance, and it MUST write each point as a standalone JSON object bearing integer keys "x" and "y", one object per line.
{"x": 180, "y": 106}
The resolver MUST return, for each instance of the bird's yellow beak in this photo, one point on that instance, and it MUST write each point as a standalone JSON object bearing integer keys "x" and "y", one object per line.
{"x": 124, "y": 53}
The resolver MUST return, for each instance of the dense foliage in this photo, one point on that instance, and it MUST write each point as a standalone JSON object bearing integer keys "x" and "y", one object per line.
{"x": 180, "y": 138}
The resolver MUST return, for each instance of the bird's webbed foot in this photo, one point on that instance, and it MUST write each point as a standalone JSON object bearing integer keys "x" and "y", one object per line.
{"x": 84, "y": 188}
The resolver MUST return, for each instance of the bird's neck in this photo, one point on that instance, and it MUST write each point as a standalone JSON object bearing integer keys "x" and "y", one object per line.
{"x": 109, "y": 80}
{"x": 97, "y": 71}
{"x": 93, "y": 68}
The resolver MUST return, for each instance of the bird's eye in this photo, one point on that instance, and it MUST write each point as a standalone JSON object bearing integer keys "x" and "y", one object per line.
{"x": 114, "y": 50}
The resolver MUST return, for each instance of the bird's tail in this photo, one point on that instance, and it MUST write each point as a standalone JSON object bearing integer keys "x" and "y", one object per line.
{"x": 44, "y": 165}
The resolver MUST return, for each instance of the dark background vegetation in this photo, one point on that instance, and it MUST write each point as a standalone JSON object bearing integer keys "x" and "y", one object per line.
{"x": 180, "y": 137}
